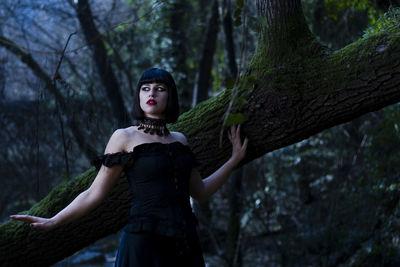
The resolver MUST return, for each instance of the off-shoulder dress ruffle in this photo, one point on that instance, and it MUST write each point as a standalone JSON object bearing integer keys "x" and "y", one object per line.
{"x": 108, "y": 160}
{"x": 123, "y": 158}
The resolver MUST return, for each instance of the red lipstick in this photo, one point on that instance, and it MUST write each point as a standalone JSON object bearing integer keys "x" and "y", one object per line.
{"x": 151, "y": 102}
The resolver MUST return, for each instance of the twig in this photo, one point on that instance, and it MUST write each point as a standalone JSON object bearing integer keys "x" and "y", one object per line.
{"x": 56, "y": 77}
{"x": 32, "y": 51}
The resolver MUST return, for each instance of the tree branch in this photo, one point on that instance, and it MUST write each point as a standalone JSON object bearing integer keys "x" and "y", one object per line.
{"x": 88, "y": 150}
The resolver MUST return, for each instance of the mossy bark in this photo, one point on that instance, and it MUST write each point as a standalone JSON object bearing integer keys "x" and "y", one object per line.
{"x": 287, "y": 102}
{"x": 22, "y": 246}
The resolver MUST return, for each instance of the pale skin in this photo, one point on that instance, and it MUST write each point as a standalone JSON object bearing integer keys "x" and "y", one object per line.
{"x": 125, "y": 140}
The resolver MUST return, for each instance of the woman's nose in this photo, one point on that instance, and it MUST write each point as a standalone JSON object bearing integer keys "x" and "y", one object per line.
{"x": 151, "y": 92}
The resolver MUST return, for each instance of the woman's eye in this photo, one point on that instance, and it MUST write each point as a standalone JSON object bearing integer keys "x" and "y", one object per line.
{"x": 145, "y": 88}
{"x": 160, "y": 88}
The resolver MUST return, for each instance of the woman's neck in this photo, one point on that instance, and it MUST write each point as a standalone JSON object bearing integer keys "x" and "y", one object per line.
{"x": 153, "y": 126}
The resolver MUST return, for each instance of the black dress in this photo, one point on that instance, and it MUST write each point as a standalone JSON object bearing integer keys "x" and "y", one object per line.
{"x": 161, "y": 230}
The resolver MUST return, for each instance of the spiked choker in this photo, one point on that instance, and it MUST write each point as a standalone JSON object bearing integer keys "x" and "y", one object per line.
{"x": 153, "y": 126}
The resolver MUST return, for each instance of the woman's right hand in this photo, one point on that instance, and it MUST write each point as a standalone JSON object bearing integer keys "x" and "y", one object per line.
{"x": 35, "y": 222}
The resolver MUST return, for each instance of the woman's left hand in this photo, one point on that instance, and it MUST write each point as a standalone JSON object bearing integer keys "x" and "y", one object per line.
{"x": 238, "y": 149}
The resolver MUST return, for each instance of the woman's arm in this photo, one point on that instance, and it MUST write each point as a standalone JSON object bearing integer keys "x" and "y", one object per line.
{"x": 88, "y": 199}
{"x": 202, "y": 189}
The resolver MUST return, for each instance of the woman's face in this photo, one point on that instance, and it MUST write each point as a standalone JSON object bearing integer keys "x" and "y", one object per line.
{"x": 153, "y": 99}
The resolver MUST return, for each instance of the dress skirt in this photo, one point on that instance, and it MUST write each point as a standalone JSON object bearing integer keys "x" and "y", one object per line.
{"x": 146, "y": 249}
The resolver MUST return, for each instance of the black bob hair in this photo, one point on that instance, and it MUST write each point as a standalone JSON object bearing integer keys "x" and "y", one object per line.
{"x": 159, "y": 76}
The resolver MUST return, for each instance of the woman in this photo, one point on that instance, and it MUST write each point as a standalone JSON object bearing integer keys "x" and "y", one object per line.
{"x": 161, "y": 172}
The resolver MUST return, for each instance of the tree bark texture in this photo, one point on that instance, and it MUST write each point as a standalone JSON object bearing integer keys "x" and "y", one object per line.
{"x": 285, "y": 32}
{"x": 103, "y": 62}
{"x": 285, "y": 104}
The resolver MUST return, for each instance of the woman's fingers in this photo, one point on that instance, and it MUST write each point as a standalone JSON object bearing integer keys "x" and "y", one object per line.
{"x": 24, "y": 218}
{"x": 238, "y": 131}
{"x": 244, "y": 146}
{"x": 39, "y": 225}
{"x": 233, "y": 132}
{"x": 35, "y": 222}
{"x": 238, "y": 147}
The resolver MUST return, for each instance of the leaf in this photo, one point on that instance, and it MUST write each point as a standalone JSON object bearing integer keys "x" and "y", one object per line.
{"x": 121, "y": 27}
{"x": 240, "y": 101}
{"x": 229, "y": 82}
{"x": 252, "y": 79}
{"x": 235, "y": 118}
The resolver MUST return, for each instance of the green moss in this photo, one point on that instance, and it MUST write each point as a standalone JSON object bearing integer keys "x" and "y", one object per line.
{"x": 19, "y": 234}
{"x": 56, "y": 200}
{"x": 387, "y": 23}
{"x": 323, "y": 73}
{"x": 63, "y": 194}
{"x": 215, "y": 110}
{"x": 360, "y": 59}
{"x": 283, "y": 63}
{"x": 277, "y": 46}
{"x": 297, "y": 64}
{"x": 212, "y": 109}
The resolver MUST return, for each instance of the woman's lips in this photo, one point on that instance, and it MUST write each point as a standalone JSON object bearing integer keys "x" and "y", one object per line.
{"x": 151, "y": 102}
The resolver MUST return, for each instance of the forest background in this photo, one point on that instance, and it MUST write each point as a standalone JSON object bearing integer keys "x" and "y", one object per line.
{"x": 330, "y": 199}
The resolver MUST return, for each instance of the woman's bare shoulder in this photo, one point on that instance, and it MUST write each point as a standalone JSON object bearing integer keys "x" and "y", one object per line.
{"x": 124, "y": 133}
{"x": 120, "y": 139}
{"x": 180, "y": 137}
{"x": 128, "y": 132}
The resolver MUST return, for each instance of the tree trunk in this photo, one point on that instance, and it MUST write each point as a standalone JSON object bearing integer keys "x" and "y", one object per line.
{"x": 285, "y": 35}
{"x": 179, "y": 11}
{"x": 103, "y": 62}
{"x": 229, "y": 43}
{"x": 203, "y": 78}
{"x": 286, "y": 103}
